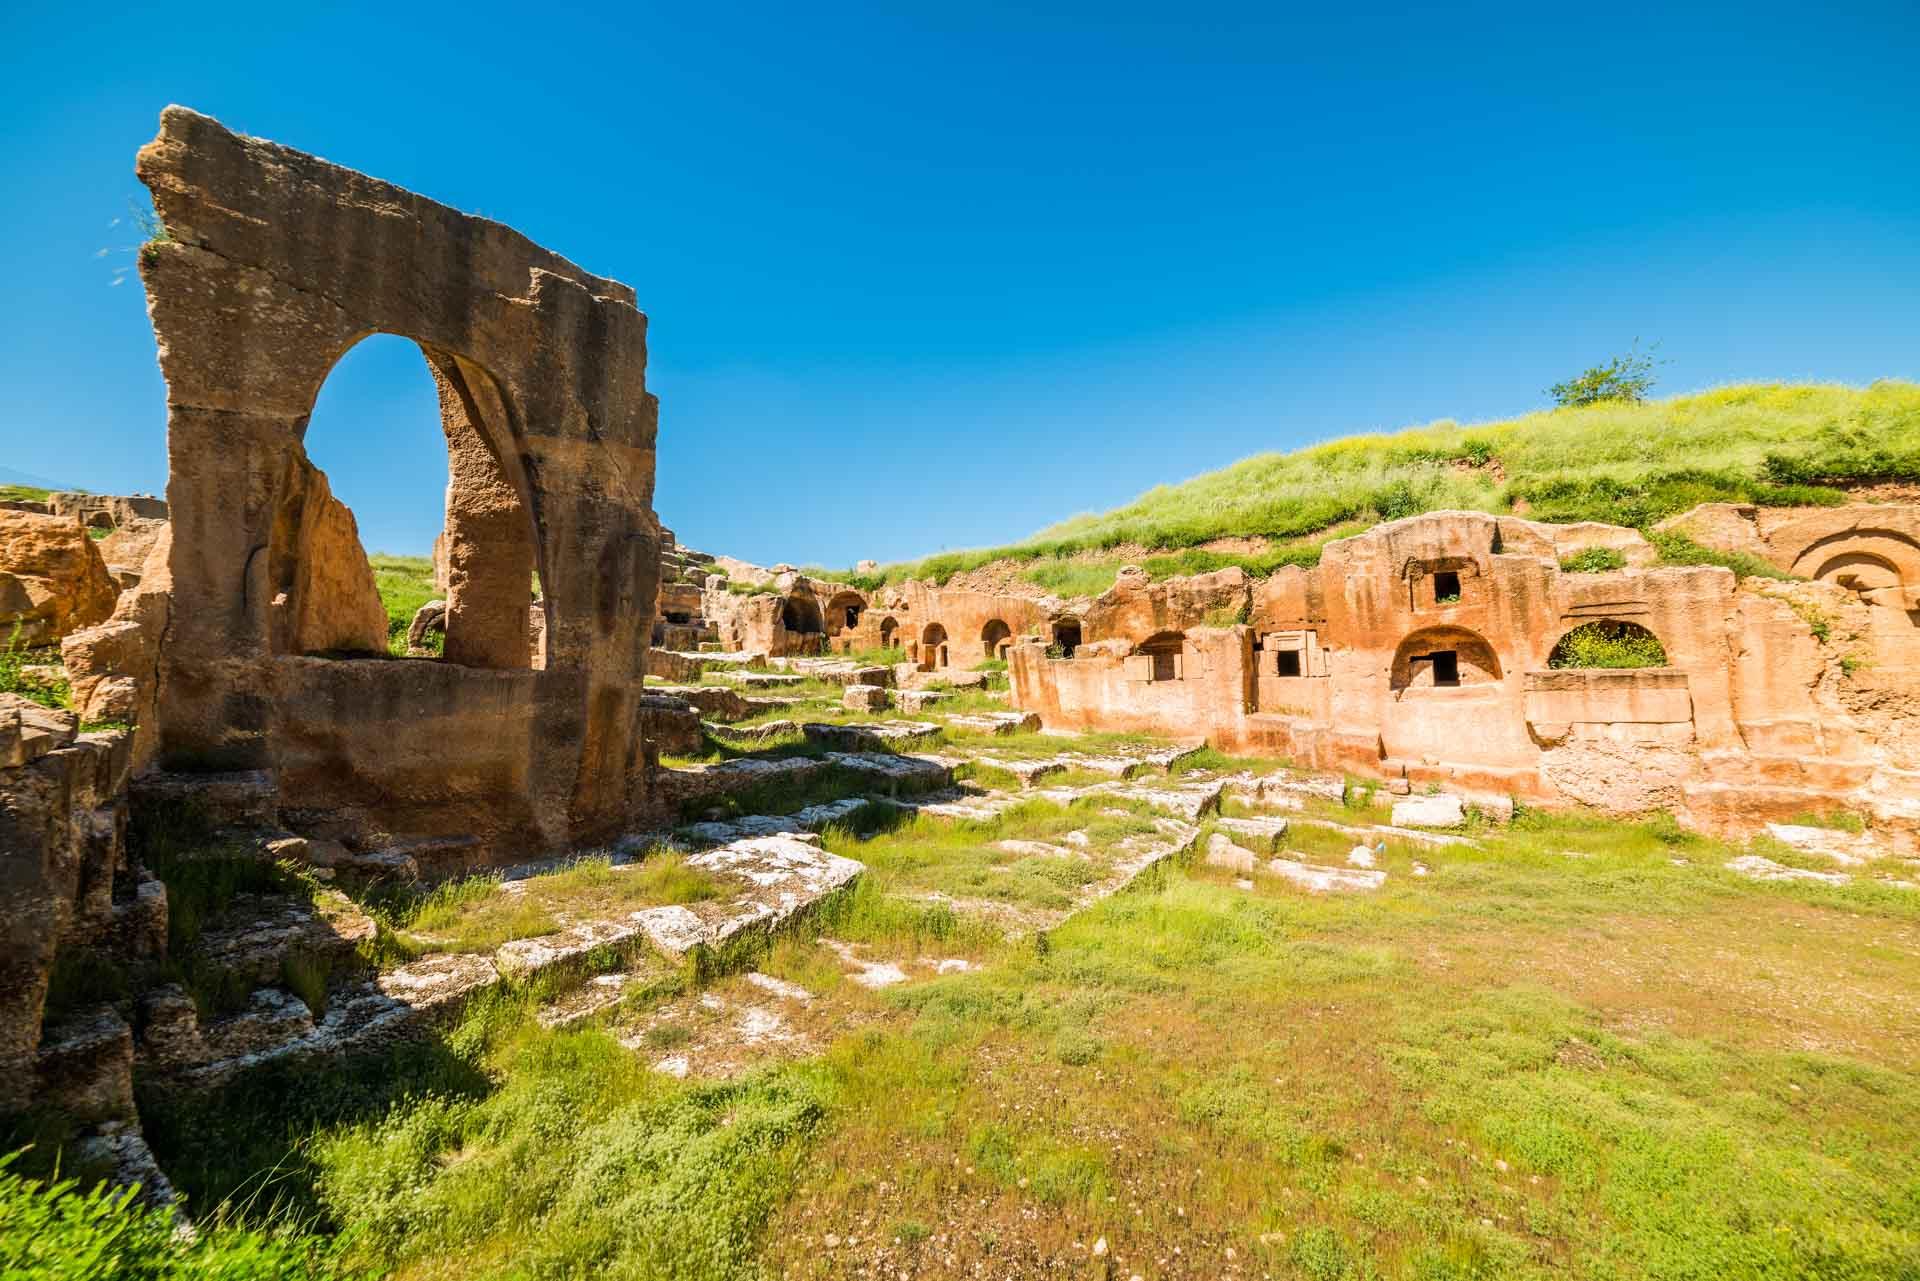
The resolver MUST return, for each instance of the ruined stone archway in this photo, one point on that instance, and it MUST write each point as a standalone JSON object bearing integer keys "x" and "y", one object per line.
{"x": 272, "y": 264}
{"x": 995, "y": 639}
{"x": 889, "y": 633}
{"x": 843, "y": 612}
{"x": 933, "y": 648}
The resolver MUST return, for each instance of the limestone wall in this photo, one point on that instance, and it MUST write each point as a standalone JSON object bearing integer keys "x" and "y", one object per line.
{"x": 1421, "y": 649}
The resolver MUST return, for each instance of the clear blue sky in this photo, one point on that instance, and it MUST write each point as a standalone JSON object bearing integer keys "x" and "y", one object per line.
{"x": 930, "y": 276}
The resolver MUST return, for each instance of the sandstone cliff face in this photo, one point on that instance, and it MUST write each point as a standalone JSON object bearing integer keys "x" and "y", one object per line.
{"x": 52, "y": 578}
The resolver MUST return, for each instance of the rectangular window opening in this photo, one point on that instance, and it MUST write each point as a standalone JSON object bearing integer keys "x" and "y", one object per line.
{"x": 1289, "y": 660}
{"x": 1163, "y": 665}
{"x": 1446, "y": 667}
{"x": 1446, "y": 588}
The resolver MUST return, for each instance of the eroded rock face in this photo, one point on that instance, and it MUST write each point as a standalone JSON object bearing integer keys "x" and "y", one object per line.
{"x": 52, "y": 579}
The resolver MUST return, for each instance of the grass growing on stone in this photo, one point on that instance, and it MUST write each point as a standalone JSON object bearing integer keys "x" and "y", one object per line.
{"x": 1625, "y": 464}
{"x": 480, "y": 913}
{"x": 15, "y": 679}
{"x": 1608, "y": 644}
{"x": 1578, "y": 1049}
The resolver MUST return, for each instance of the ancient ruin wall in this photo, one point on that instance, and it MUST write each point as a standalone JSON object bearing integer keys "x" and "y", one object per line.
{"x": 272, "y": 265}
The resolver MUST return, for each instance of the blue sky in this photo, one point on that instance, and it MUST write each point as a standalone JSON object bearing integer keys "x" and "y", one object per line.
{"x": 923, "y": 277}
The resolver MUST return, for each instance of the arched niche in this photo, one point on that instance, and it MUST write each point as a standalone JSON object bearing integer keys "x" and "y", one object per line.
{"x": 933, "y": 648}
{"x": 843, "y": 611}
{"x": 1165, "y": 648}
{"x": 1066, "y": 635}
{"x": 1607, "y": 643}
{"x": 1436, "y": 658}
{"x": 995, "y": 638}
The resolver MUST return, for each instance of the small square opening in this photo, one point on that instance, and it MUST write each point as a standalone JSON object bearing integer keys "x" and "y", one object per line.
{"x": 1163, "y": 664}
{"x": 1289, "y": 661}
{"x": 1446, "y": 588}
{"x": 1446, "y": 667}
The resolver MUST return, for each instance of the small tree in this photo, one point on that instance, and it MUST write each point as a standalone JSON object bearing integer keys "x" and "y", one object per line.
{"x": 1625, "y": 378}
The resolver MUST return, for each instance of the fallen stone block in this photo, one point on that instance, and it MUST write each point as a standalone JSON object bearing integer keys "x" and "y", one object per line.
{"x": 522, "y": 958}
{"x": 1429, "y": 811}
{"x": 996, "y": 722}
{"x": 1262, "y": 833}
{"x": 919, "y": 700}
{"x": 1029, "y": 772}
{"x": 865, "y": 698}
{"x": 1319, "y": 880}
{"x": 1765, "y": 869}
{"x": 1223, "y": 853}
{"x": 779, "y": 878}
{"x": 880, "y": 734}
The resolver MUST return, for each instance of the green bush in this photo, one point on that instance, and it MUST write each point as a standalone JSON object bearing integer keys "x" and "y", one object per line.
{"x": 58, "y": 1230}
{"x": 1677, "y": 549}
{"x": 1608, "y": 644}
{"x": 1594, "y": 560}
{"x": 1627, "y": 378}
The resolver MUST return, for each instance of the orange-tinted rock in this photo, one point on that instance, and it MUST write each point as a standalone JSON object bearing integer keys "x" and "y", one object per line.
{"x": 52, "y": 579}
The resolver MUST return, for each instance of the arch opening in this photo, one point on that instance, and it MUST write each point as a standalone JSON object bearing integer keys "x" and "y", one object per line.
{"x": 1165, "y": 649}
{"x": 996, "y": 638}
{"x": 1066, "y": 636}
{"x": 1608, "y": 643}
{"x": 1443, "y": 658}
{"x": 933, "y": 648}
{"x": 1859, "y": 571}
{"x": 472, "y": 600}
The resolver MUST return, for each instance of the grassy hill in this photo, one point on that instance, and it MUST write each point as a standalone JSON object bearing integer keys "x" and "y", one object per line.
{"x": 1631, "y": 464}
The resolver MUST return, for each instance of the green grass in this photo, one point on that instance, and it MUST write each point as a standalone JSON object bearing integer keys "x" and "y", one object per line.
{"x": 1608, "y": 644}
{"x": 1577, "y": 1049}
{"x": 1625, "y": 464}
{"x": 479, "y": 913}
{"x": 1594, "y": 560}
{"x": 24, "y": 494}
{"x": 16, "y": 658}
{"x": 405, "y": 584}
{"x": 59, "y": 1228}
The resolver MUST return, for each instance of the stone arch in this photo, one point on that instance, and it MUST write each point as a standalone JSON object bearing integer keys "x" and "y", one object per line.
{"x": 800, "y": 614}
{"x": 889, "y": 628}
{"x": 273, "y": 264}
{"x": 933, "y": 648}
{"x": 1858, "y": 570}
{"x": 1442, "y": 658}
{"x": 995, "y": 638}
{"x": 1166, "y": 649}
{"x": 1607, "y": 642}
{"x": 320, "y": 591}
{"x": 843, "y": 611}
{"x": 1866, "y": 559}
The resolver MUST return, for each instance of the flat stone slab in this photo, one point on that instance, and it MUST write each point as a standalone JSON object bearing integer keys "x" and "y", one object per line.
{"x": 779, "y": 878}
{"x": 1035, "y": 849}
{"x": 919, "y": 700}
{"x": 1320, "y": 880}
{"x": 995, "y": 722}
{"x": 1029, "y": 772}
{"x": 1765, "y": 869}
{"x": 260, "y": 930}
{"x": 1844, "y": 848}
{"x": 524, "y": 957}
{"x": 835, "y": 672}
{"x": 761, "y": 733}
{"x": 1261, "y": 833}
{"x": 761, "y": 680}
{"x": 1429, "y": 811}
{"x": 855, "y": 738}
{"x": 814, "y": 818}
{"x": 1189, "y": 801}
{"x": 897, "y": 771}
